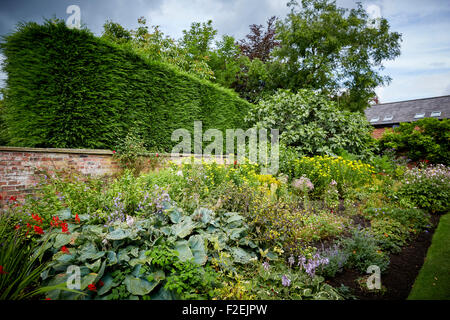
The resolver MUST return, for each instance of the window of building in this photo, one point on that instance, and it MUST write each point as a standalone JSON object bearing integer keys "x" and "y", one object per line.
{"x": 419, "y": 115}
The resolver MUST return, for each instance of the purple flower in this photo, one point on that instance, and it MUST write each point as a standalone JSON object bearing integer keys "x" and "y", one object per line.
{"x": 291, "y": 260}
{"x": 266, "y": 266}
{"x": 285, "y": 281}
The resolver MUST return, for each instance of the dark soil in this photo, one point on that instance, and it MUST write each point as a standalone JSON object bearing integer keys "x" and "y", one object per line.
{"x": 401, "y": 274}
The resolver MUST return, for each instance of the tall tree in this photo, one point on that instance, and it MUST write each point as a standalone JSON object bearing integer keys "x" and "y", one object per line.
{"x": 336, "y": 50}
{"x": 198, "y": 39}
{"x": 259, "y": 43}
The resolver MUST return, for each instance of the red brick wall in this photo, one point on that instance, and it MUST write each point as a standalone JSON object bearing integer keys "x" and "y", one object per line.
{"x": 18, "y": 166}
{"x": 378, "y": 132}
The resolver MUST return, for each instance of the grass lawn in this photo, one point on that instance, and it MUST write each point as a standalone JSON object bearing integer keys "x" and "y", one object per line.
{"x": 433, "y": 281}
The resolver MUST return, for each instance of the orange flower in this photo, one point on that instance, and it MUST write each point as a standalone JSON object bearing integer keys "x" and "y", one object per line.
{"x": 386, "y": 235}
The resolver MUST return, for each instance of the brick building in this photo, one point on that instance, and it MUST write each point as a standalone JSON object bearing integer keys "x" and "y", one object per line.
{"x": 390, "y": 115}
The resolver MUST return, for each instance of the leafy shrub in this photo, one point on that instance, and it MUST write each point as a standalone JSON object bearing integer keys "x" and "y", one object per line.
{"x": 425, "y": 139}
{"x": 413, "y": 218}
{"x": 277, "y": 281}
{"x": 312, "y": 124}
{"x": 289, "y": 226}
{"x": 427, "y": 188}
{"x": 390, "y": 234}
{"x": 363, "y": 251}
{"x": 337, "y": 260}
{"x": 163, "y": 254}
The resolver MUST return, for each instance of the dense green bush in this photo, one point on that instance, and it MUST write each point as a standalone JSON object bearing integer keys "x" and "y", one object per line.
{"x": 68, "y": 88}
{"x": 313, "y": 124}
{"x": 363, "y": 251}
{"x": 427, "y": 188}
{"x": 425, "y": 139}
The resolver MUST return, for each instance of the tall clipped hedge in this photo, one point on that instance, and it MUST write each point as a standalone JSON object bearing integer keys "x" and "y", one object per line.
{"x": 67, "y": 88}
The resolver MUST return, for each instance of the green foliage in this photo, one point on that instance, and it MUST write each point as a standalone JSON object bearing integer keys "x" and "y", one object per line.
{"x": 326, "y": 47}
{"x": 337, "y": 260}
{"x": 427, "y": 188}
{"x": 312, "y": 124}
{"x": 21, "y": 262}
{"x": 67, "y": 88}
{"x": 129, "y": 152}
{"x": 414, "y": 219}
{"x": 363, "y": 251}
{"x": 390, "y": 234}
{"x": 268, "y": 284}
{"x": 426, "y": 139}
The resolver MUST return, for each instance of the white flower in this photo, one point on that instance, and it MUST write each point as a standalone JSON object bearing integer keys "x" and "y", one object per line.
{"x": 130, "y": 221}
{"x": 179, "y": 173}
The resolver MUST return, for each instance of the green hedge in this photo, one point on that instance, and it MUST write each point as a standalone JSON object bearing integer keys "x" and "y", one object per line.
{"x": 67, "y": 88}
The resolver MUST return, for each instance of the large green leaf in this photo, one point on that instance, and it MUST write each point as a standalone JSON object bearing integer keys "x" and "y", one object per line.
{"x": 242, "y": 256}
{"x": 175, "y": 214}
{"x": 64, "y": 214}
{"x": 118, "y": 234}
{"x": 107, "y": 284}
{"x": 89, "y": 251}
{"x": 197, "y": 246}
{"x": 204, "y": 214}
{"x": 184, "y": 227}
{"x": 94, "y": 267}
{"x": 61, "y": 240}
{"x": 184, "y": 252}
{"x": 163, "y": 294}
{"x": 87, "y": 280}
{"x": 111, "y": 258}
{"x": 138, "y": 286}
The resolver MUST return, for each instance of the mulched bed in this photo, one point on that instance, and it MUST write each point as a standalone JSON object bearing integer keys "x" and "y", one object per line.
{"x": 401, "y": 274}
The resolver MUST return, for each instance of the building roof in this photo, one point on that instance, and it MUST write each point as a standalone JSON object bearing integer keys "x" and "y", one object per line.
{"x": 408, "y": 111}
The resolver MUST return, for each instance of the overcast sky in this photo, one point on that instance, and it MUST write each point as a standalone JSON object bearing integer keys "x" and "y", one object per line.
{"x": 422, "y": 70}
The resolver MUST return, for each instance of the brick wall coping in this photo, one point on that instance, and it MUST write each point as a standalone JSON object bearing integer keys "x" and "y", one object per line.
{"x": 95, "y": 151}
{"x": 57, "y": 150}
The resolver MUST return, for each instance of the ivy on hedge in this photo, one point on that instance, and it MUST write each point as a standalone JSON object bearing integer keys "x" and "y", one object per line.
{"x": 67, "y": 88}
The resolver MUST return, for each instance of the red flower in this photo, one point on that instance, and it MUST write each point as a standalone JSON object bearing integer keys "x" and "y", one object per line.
{"x": 100, "y": 283}
{"x": 235, "y": 162}
{"x": 77, "y": 218}
{"x": 17, "y": 227}
{"x": 64, "y": 227}
{"x": 1, "y": 270}
{"x": 37, "y": 218}
{"x": 38, "y": 230}
{"x": 114, "y": 151}
{"x": 55, "y": 221}
{"x": 92, "y": 287}
{"x": 65, "y": 250}
{"x": 48, "y": 299}
{"x": 13, "y": 198}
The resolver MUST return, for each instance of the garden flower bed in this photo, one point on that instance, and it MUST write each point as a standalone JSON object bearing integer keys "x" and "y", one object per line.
{"x": 210, "y": 231}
